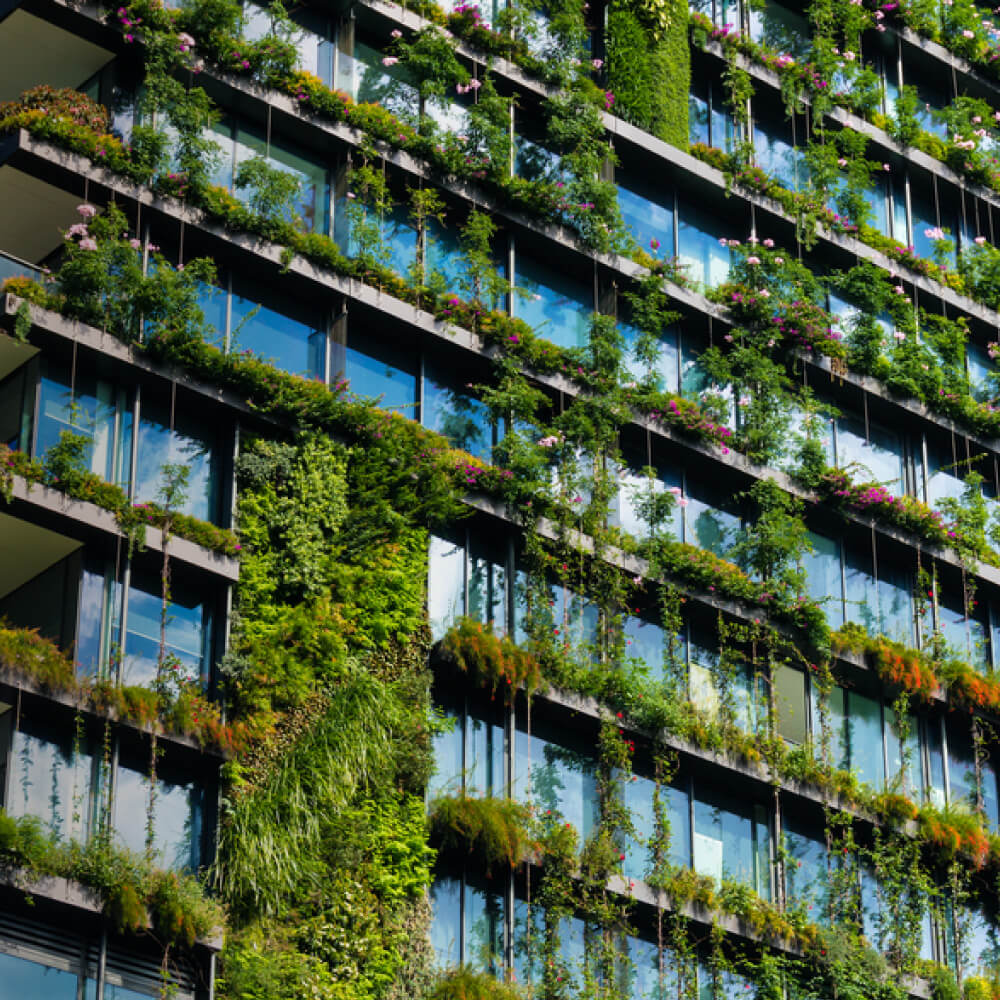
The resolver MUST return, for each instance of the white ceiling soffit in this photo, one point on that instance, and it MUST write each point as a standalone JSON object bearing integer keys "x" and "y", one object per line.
{"x": 33, "y": 215}
{"x": 27, "y": 550}
{"x": 33, "y": 51}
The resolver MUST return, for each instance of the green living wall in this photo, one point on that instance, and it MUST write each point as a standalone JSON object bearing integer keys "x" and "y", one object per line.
{"x": 649, "y": 66}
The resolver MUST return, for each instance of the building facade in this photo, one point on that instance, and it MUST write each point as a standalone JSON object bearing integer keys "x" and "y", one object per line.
{"x": 608, "y": 387}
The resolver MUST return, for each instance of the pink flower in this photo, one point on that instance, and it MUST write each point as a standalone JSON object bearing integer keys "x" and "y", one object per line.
{"x": 396, "y": 33}
{"x": 769, "y": 243}
{"x": 87, "y": 243}
{"x": 135, "y": 244}
{"x": 753, "y": 260}
{"x": 980, "y": 241}
{"x": 597, "y": 63}
{"x": 87, "y": 211}
{"x": 779, "y": 261}
{"x": 390, "y": 61}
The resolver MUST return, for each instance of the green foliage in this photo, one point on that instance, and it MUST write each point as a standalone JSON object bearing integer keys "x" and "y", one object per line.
{"x": 650, "y": 78}
{"x": 495, "y": 831}
{"x": 490, "y": 661}
{"x": 466, "y": 984}
{"x": 274, "y": 193}
{"x": 132, "y": 892}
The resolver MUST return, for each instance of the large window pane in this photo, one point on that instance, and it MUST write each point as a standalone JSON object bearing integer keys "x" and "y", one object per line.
{"x": 554, "y": 304}
{"x": 31, "y": 981}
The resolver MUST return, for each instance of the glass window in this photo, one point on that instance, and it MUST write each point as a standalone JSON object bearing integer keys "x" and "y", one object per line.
{"x": 99, "y": 611}
{"x": 644, "y": 644}
{"x": 32, "y": 981}
{"x": 174, "y": 809}
{"x": 469, "y": 756}
{"x": 553, "y": 303}
{"x": 557, "y": 779}
{"x": 698, "y": 234}
{"x": 790, "y": 699}
{"x": 186, "y": 444}
{"x": 981, "y": 372}
{"x": 649, "y": 216}
{"x": 943, "y": 479}
{"x": 806, "y": 875}
{"x": 96, "y": 409}
{"x": 961, "y": 764}
{"x": 288, "y": 343}
{"x": 707, "y": 523}
{"x": 385, "y": 372}
{"x": 664, "y": 369}
{"x": 859, "y": 585}
{"x": 312, "y": 206}
{"x": 444, "y": 255}
{"x": 780, "y": 29}
{"x": 823, "y": 577}
{"x": 457, "y": 415}
{"x": 626, "y": 508}
{"x": 864, "y": 725}
{"x": 731, "y": 840}
{"x": 446, "y": 921}
{"x": 49, "y": 778}
{"x": 876, "y": 456}
{"x": 774, "y": 147}
{"x": 911, "y": 783}
{"x": 895, "y": 602}
{"x": 445, "y": 584}
{"x": 186, "y": 632}
{"x": 363, "y": 75}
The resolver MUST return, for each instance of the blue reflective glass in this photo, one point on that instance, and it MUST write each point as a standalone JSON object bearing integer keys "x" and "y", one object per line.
{"x": 445, "y": 584}
{"x": 895, "y": 603}
{"x": 185, "y": 635}
{"x": 383, "y": 372}
{"x": 806, "y": 876}
{"x": 864, "y": 723}
{"x": 860, "y": 592}
{"x": 638, "y": 799}
{"x": 176, "y": 818}
{"x": 559, "y": 781}
{"x": 774, "y": 151}
{"x": 706, "y": 524}
{"x": 961, "y": 765}
{"x": 780, "y": 29}
{"x": 483, "y": 945}
{"x": 31, "y": 981}
{"x": 446, "y": 921}
{"x": 186, "y": 445}
{"x": 95, "y": 409}
{"x": 823, "y": 580}
{"x": 664, "y": 370}
{"x": 310, "y": 208}
{"x": 875, "y": 456}
{"x": 644, "y": 643}
{"x": 698, "y": 234}
{"x": 367, "y": 79}
{"x": 51, "y": 779}
{"x": 444, "y": 256}
{"x": 553, "y": 303}
{"x": 981, "y": 372}
{"x": 456, "y": 415}
{"x": 649, "y": 216}
{"x": 731, "y": 840}
{"x": 286, "y": 343}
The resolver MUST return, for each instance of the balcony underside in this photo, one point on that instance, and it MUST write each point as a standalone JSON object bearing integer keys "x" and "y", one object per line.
{"x": 34, "y": 51}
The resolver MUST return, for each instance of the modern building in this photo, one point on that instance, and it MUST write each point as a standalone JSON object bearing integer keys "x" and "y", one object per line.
{"x": 744, "y": 791}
